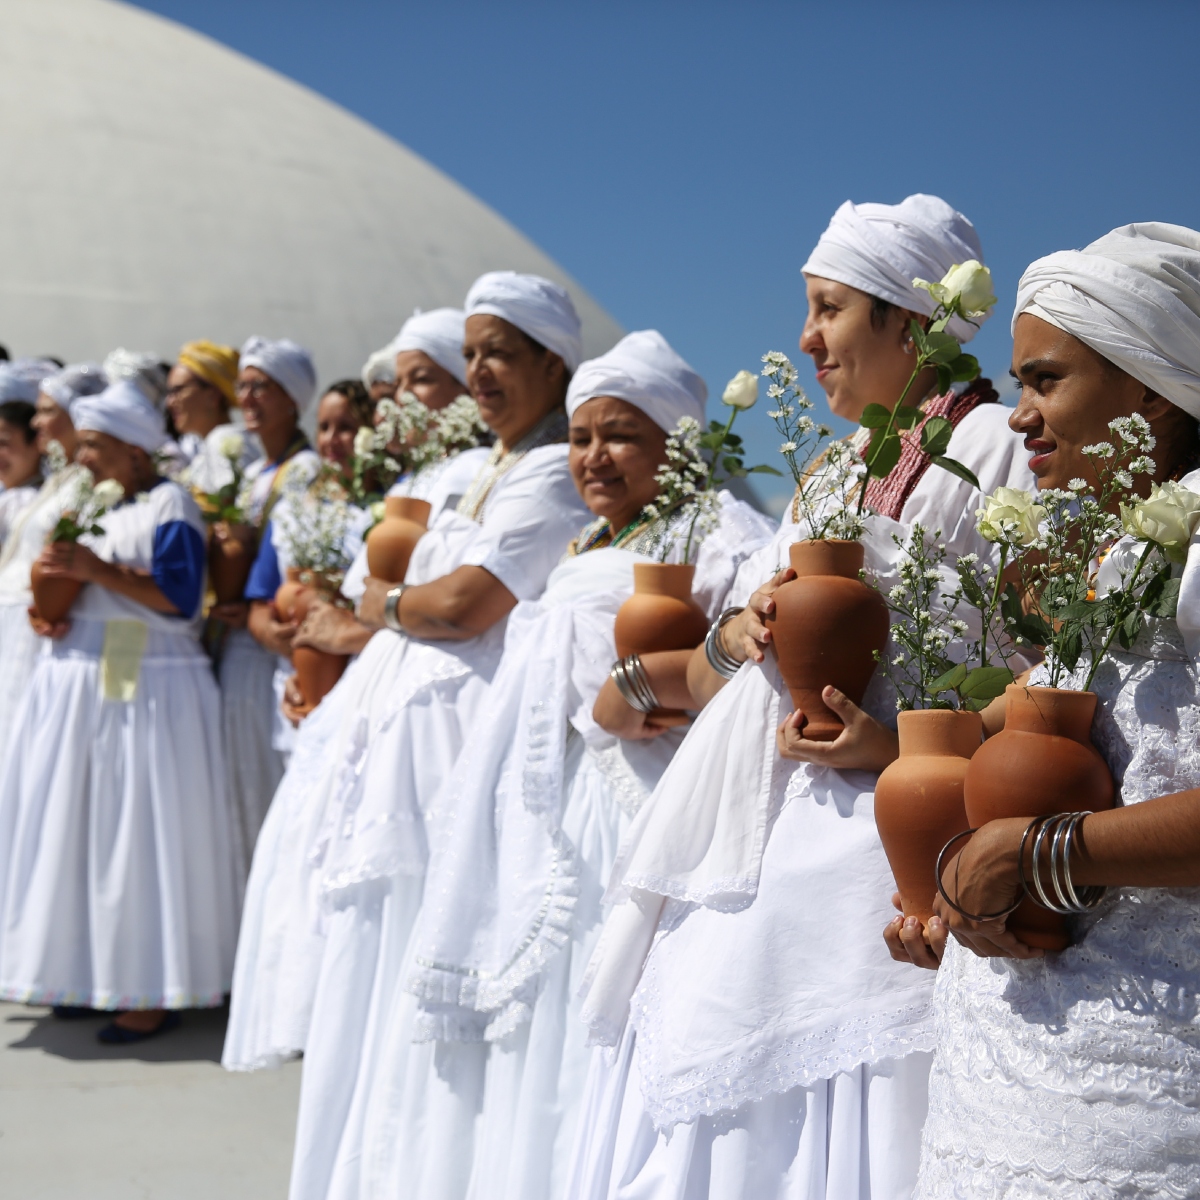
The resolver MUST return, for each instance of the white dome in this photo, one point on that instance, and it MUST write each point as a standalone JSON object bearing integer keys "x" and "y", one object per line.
{"x": 159, "y": 187}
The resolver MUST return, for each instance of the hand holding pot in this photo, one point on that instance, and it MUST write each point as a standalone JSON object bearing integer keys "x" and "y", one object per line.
{"x": 70, "y": 560}
{"x": 615, "y": 716}
{"x": 47, "y": 629}
{"x": 747, "y": 636}
{"x": 863, "y": 744}
{"x": 910, "y": 942}
{"x": 292, "y": 705}
{"x": 331, "y": 628}
{"x": 983, "y": 878}
{"x": 269, "y": 631}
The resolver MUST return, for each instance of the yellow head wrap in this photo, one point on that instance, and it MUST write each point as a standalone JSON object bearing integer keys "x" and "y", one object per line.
{"x": 214, "y": 364}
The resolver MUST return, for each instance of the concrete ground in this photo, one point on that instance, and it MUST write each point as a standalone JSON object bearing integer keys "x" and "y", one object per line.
{"x": 159, "y": 1121}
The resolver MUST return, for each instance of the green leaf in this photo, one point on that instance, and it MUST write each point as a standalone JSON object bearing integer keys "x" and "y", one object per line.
{"x": 883, "y": 454}
{"x": 874, "y": 416}
{"x": 711, "y": 441}
{"x": 945, "y": 378}
{"x": 1070, "y": 647}
{"x": 964, "y": 368}
{"x": 762, "y": 469}
{"x": 955, "y": 468}
{"x": 940, "y": 324}
{"x": 1129, "y": 629}
{"x": 919, "y": 337}
{"x": 942, "y": 348}
{"x": 935, "y": 435}
{"x": 951, "y": 680}
{"x": 731, "y": 462}
{"x": 986, "y": 683}
{"x": 1161, "y": 597}
{"x": 1079, "y": 610}
{"x": 907, "y": 416}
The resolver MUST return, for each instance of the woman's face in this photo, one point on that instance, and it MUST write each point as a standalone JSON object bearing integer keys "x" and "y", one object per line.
{"x": 266, "y": 407}
{"x": 514, "y": 383}
{"x": 432, "y": 384}
{"x": 194, "y": 404}
{"x": 19, "y": 458}
{"x": 1069, "y": 394}
{"x": 52, "y": 424}
{"x": 109, "y": 458}
{"x": 615, "y": 452}
{"x": 337, "y": 425}
{"x": 858, "y": 362}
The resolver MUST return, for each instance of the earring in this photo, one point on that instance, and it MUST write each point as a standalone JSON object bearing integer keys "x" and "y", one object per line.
{"x": 909, "y": 345}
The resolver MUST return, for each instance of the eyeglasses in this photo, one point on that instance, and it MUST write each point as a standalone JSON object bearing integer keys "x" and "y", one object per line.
{"x": 180, "y": 388}
{"x": 259, "y": 387}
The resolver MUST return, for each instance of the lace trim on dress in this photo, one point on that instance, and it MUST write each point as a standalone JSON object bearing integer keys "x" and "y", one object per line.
{"x": 626, "y": 788}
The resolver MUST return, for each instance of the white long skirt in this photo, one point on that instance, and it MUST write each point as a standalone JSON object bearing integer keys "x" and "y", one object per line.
{"x": 117, "y": 885}
{"x": 19, "y": 651}
{"x": 535, "y": 1079}
{"x": 856, "y": 1136}
{"x": 255, "y": 767}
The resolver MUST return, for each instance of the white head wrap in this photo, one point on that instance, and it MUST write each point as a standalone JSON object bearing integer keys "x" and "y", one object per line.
{"x": 644, "y": 371}
{"x": 380, "y": 367}
{"x": 1134, "y": 297}
{"x": 22, "y": 378}
{"x": 881, "y": 248}
{"x": 291, "y": 367}
{"x": 73, "y": 382}
{"x": 537, "y": 307}
{"x": 439, "y": 333}
{"x": 144, "y": 371}
{"x": 122, "y": 411}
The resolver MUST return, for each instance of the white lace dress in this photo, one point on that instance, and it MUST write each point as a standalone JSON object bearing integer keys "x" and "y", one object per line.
{"x": 1077, "y": 1076}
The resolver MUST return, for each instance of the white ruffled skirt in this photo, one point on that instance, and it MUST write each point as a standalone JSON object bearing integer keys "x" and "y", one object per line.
{"x": 117, "y": 885}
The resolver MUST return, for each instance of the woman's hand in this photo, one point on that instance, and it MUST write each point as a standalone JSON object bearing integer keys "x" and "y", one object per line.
{"x": 269, "y": 631}
{"x": 70, "y": 560}
{"x": 44, "y": 628}
{"x": 910, "y": 942}
{"x": 370, "y": 607}
{"x": 332, "y": 629}
{"x": 863, "y": 745}
{"x": 746, "y": 636}
{"x": 292, "y": 705}
{"x": 615, "y": 716}
{"x": 983, "y": 878}
{"x": 235, "y": 614}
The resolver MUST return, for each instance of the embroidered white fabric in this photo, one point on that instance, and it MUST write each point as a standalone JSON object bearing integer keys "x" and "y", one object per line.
{"x": 1077, "y": 1076}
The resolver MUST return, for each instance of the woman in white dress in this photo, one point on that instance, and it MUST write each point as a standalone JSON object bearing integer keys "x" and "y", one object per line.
{"x": 276, "y": 384}
{"x": 116, "y": 883}
{"x": 428, "y": 673}
{"x": 279, "y": 948}
{"x": 20, "y": 463}
{"x": 26, "y": 535}
{"x": 525, "y": 830}
{"x": 767, "y": 1053}
{"x": 1076, "y": 1075}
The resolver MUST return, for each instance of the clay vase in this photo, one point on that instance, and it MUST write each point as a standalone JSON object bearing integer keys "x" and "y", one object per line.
{"x": 316, "y": 670}
{"x": 230, "y": 556}
{"x": 391, "y": 543}
{"x": 661, "y": 614}
{"x": 1042, "y": 762}
{"x": 52, "y": 597}
{"x": 826, "y": 628}
{"x": 919, "y": 799}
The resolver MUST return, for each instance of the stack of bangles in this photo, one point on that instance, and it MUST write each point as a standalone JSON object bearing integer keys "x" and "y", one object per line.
{"x": 391, "y": 607}
{"x": 1051, "y": 886}
{"x": 718, "y": 657}
{"x": 630, "y": 677}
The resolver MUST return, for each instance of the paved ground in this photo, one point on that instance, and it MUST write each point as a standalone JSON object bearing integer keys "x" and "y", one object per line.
{"x": 160, "y": 1121}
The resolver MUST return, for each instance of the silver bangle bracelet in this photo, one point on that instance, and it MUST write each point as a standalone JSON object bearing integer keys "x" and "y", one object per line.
{"x": 718, "y": 656}
{"x": 1058, "y": 894}
{"x": 630, "y": 677}
{"x": 391, "y": 607}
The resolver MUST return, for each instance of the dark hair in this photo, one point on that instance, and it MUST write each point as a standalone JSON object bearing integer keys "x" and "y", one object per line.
{"x": 19, "y": 414}
{"x": 3, "y": 354}
{"x": 361, "y": 403}
{"x": 881, "y": 310}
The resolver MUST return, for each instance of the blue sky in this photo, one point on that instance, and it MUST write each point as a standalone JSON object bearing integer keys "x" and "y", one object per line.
{"x": 680, "y": 158}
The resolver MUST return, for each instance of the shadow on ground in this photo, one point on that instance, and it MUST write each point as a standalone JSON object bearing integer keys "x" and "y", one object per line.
{"x": 198, "y": 1039}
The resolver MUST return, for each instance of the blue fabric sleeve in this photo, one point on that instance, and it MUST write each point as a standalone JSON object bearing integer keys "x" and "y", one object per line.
{"x": 265, "y": 575}
{"x": 178, "y": 565}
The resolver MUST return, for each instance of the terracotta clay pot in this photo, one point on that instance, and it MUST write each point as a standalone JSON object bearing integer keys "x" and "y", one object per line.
{"x": 661, "y": 614}
{"x": 826, "y": 628}
{"x": 919, "y": 798}
{"x": 391, "y": 543}
{"x": 1042, "y": 762}
{"x": 52, "y": 597}
{"x": 230, "y": 556}
{"x": 316, "y": 670}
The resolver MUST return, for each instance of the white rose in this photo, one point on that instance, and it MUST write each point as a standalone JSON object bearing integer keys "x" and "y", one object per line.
{"x": 364, "y": 441}
{"x": 230, "y": 446}
{"x": 107, "y": 493}
{"x": 969, "y": 283}
{"x": 1168, "y": 517}
{"x": 741, "y": 391}
{"x": 1010, "y": 515}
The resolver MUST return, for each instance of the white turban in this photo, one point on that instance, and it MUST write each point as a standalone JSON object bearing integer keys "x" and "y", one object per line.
{"x": 380, "y": 367}
{"x": 22, "y": 378}
{"x": 644, "y": 371}
{"x": 537, "y": 307}
{"x": 1134, "y": 297}
{"x": 68, "y": 386}
{"x": 881, "y": 248}
{"x": 122, "y": 411}
{"x": 144, "y": 371}
{"x": 438, "y": 333}
{"x": 291, "y": 367}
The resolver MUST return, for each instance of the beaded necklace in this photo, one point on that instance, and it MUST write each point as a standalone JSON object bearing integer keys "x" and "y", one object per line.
{"x": 551, "y": 429}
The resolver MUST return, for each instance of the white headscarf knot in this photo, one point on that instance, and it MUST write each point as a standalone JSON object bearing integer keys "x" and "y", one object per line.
{"x": 1134, "y": 297}
{"x": 122, "y": 411}
{"x": 75, "y": 381}
{"x": 438, "y": 333}
{"x": 537, "y": 307}
{"x": 644, "y": 371}
{"x": 881, "y": 248}
{"x": 290, "y": 365}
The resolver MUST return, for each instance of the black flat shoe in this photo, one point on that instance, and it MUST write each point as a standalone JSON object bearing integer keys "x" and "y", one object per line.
{"x": 74, "y": 1012}
{"x": 117, "y": 1035}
